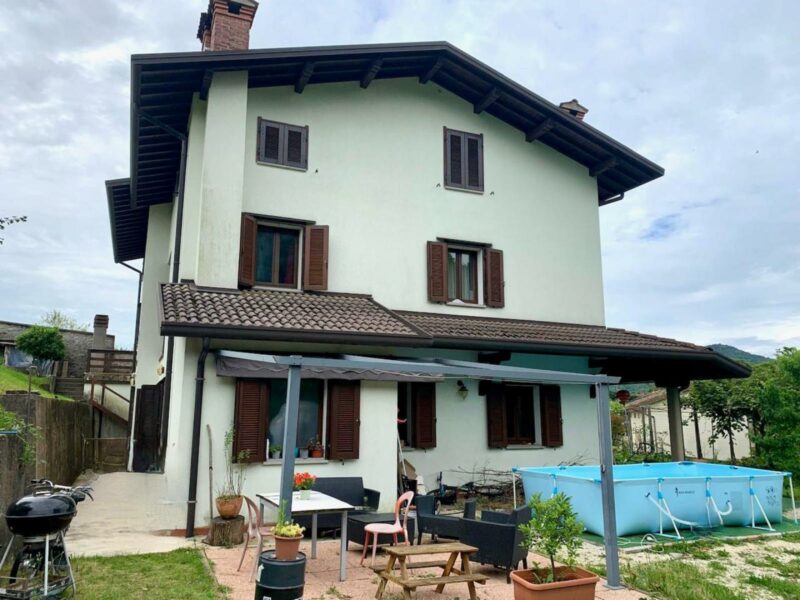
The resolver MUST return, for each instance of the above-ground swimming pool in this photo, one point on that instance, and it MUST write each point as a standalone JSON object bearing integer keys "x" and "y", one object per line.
{"x": 653, "y": 497}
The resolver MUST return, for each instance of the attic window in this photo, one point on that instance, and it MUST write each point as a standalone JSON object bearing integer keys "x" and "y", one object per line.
{"x": 463, "y": 160}
{"x": 282, "y": 144}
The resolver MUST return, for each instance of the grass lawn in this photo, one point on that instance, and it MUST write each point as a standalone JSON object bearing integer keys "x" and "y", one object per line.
{"x": 716, "y": 569}
{"x": 13, "y": 380}
{"x": 177, "y": 574}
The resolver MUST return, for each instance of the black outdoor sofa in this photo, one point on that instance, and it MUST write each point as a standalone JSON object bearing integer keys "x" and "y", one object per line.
{"x": 346, "y": 489}
{"x": 446, "y": 526}
{"x": 497, "y": 537}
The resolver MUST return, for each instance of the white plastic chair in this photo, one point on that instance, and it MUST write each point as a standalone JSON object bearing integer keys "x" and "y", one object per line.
{"x": 255, "y": 529}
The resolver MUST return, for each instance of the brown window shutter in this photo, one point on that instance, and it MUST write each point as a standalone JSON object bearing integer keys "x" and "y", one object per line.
{"x": 296, "y": 146}
{"x": 474, "y": 162}
{"x": 493, "y": 280}
{"x": 437, "y": 271}
{"x": 247, "y": 251}
{"x": 424, "y": 395}
{"x": 250, "y": 419}
{"x": 269, "y": 141}
{"x": 315, "y": 257}
{"x": 344, "y": 419}
{"x": 496, "y": 416}
{"x": 552, "y": 428}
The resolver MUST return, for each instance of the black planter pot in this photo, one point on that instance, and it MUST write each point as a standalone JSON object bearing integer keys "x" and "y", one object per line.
{"x": 280, "y": 579}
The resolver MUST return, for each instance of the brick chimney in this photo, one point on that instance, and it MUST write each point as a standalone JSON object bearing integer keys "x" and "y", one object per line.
{"x": 100, "y": 332}
{"x": 226, "y": 25}
{"x": 574, "y": 108}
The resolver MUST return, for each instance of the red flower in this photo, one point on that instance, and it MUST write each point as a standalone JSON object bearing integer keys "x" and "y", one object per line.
{"x": 303, "y": 481}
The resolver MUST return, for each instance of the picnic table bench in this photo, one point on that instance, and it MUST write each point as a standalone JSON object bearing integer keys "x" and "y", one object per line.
{"x": 399, "y": 555}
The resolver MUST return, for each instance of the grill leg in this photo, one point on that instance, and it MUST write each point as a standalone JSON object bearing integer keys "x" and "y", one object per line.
{"x": 69, "y": 565}
{"x": 46, "y": 563}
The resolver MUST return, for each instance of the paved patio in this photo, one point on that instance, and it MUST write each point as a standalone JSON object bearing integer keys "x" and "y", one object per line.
{"x": 322, "y": 577}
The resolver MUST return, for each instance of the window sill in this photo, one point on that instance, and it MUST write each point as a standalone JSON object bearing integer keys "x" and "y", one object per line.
{"x": 280, "y": 166}
{"x": 276, "y": 462}
{"x": 460, "y": 189}
{"x": 465, "y": 305}
{"x": 524, "y": 447}
{"x": 276, "y": 288}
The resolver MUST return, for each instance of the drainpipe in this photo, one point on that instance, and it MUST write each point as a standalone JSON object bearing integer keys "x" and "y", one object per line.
{"x": 132, "y": 396}
{"x": 196, "y": 425}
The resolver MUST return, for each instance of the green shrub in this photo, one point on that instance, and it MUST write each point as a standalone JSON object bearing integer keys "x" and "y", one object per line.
{"x": 554, "y": 528}
{"x": 42, "y": 343}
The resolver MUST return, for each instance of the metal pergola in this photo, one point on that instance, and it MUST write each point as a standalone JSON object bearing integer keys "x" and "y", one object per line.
{"x": 386, "y": 368}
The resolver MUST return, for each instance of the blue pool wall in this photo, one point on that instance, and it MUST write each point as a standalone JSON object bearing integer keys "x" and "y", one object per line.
{"x": 683, "y": 485}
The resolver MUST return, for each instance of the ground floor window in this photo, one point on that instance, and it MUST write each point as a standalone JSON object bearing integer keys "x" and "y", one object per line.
{"x": 523, "y": 415}
{"x": 329, "y": 415}
{"x": 309, "y": 424}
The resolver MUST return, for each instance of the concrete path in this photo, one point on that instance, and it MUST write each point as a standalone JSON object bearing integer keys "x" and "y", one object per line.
{"x": 126, "y": 517}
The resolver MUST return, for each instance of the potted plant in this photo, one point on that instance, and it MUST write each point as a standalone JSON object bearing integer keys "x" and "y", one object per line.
{"x": 275, "y": 451}
{"x": 229, "y": 496}
{"x": 553, "y": 531}
{"x": 287, "y": 536}
{"x": 315, "y": 448}
{"x": 303, "y": 452}
{"x": 303, "y": 483}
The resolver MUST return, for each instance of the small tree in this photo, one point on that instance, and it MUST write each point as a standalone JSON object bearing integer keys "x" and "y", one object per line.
{"x": 56, "y": 318}
{"x": 554, "y": 528}
{"x": 42, "y": 343}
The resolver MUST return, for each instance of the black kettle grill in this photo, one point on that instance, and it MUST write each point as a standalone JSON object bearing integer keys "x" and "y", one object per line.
{"x": 40, "y": 515}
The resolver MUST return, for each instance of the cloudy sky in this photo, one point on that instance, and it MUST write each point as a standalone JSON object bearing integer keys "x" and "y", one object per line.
{"x": 710, "y": 90}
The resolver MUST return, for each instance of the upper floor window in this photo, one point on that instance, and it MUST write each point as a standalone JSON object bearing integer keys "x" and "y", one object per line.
{"x": 462, "y": 275}
{"x": 278, "y": 255}
{"x": 463, "y": 160}
{"x": 282, "y": 144}
{"x": 465, "y": 273}
{"x": 283, "y": 253}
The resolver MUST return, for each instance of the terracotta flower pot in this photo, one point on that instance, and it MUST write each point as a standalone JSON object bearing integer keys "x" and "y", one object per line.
{"x": 315, "y": 452}
{"x": 229, "y": 507}
{"x": 286, "y": 548}
{"x": 571, "y": 584}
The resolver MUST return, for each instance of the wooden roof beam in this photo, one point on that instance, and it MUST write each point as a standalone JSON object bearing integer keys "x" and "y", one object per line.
{"x": 304, "y": 77}
{"x": 602, "y": 167}
{"x": 487, "y": 100}
{"x": 432, "y": 70}
{"x": 534, "y": 134}
{"x": 374, "y": 67}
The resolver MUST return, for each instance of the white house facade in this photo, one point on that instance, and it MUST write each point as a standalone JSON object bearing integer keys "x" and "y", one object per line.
{"x": 389, "y": 201}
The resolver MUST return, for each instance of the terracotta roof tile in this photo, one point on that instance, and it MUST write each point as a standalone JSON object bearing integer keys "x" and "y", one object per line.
{"x": 539, "y": 332}
{"x": 188, "y": 305}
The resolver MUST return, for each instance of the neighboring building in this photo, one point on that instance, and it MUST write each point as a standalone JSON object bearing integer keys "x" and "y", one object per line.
{"x": 648, "y": 423}
{"x": 383, "y": 200}
{"x": 77, "y": 344}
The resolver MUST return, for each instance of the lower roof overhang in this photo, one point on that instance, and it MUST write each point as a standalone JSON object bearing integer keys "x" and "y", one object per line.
{"x": 630, "y": 365}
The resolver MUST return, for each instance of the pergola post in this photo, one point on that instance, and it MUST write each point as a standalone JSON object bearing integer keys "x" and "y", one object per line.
{"x": 675, "y": 423}
{"x": 607, "y": 486}
{"x": 290, "y": 436}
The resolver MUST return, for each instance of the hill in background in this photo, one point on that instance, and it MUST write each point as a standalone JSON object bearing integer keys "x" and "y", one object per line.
{"x": 739, "y": 354}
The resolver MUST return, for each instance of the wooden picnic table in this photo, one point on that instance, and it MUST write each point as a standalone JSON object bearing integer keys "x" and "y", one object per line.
{"x": 400, "y": 555}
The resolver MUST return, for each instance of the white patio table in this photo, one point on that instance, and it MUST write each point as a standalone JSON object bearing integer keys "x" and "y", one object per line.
{"x": 318, "y": 503}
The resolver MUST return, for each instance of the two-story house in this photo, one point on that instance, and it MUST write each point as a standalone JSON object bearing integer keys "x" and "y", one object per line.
{"x": 397, "y": 200}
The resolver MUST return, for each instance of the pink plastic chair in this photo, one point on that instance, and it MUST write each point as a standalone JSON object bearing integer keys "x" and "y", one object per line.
{"x": 255, "y": 529}
{"x": 388, "y": 528}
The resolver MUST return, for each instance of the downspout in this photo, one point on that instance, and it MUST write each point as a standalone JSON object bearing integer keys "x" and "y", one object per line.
{"x": 132, "y": 396}
{"x": 196, "y": 426}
